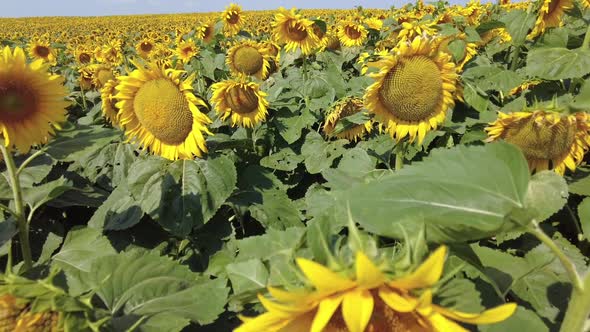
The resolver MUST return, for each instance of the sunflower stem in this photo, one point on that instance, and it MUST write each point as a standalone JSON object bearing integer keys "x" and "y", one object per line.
{"x": 399, "y": 160}
{"x": 514, "y": 60}
{"x": 578, "y": 308}
{"x": 567, "y": 264}
{"x": 83, "y": 94}
{"x": 305, "y": 78}
{"x": 28, "y": 161}
{"x": 19, "y": 211}
{"x": 586, "y": 42}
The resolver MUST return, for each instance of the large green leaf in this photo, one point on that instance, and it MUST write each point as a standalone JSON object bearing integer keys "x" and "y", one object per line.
{"x": 558, "y": 63}
{"x": 518, "y": 23}
{"x": 78, "y": 143}
{"x": 460, "y": 194}
{"x": 319, "y": 154}
{"x": 119, "y": 211}
{"x": 139, "y": 283}
{"x": 39, "y": 195}
{"x": 547, "y": 194}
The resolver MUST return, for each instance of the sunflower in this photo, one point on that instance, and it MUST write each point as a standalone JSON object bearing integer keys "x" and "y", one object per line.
{"x": 524, "y": 86}
{"x": 291, "y": 29}
{"x": 160, "y": 112}
{"x": 244, "y": 102}
{"x": 352, "y": 33}
{"x": 413, "y": 90}
{"x": 248, "y": 58}
{"x": 341, "y": 109}
{"x": 41, "y": 49}
{"x": 145, "y": 47}
{"x": 411, "y": 30}
{"x": 186, "y": 50}
{"x": 83, "y": 55}
{"x": 206, "y": 32}
{"x": 498, "y": 33}
{"x": 31, "y": 100}
{"x": 374, "y": 23}
{"x": 101, "y": 74}
{"x": 232, "y": 19}
{"x": 585, "y": 3}
{"x": 109, "y": 110}
{"x": 16, "y": 315}
{"x": 549, "y": 15}
{"x": 548, "y": 140}
{"x": 111, "y": 53}
{"x": 369, "y": 301}
{"x": 85, "y": 79}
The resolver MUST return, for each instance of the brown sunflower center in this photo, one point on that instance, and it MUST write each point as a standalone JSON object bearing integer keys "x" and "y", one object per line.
{"x": 208, "y": 32}
{"x": 16, "y": 101}
{"x": 233, "y": 18}
{"x": 247, "y": 60}
{"x": 146, "y": 47}
{"x": 352, "y": 32}
{"x": 163, "y": 110}
{"x": 296, "y": 32}
{"x": 383, "y": 319}
{"x": 541, "y": 140}
{"x": 42, "y": 51}
{"x": 317, "y": 30}
{"x": 412, "y": 90}
{"x": 553, "y": 4}
{"x": 84, "y": 58}
{"x": 241, "y": 100}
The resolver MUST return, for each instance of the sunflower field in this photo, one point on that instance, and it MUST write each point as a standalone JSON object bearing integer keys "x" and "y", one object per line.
{"x": 420, "y": 168}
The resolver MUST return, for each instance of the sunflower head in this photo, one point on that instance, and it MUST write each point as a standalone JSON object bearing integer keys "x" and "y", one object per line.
{"x": 352, "y": 33}
{"x": 248, "y": 58}
{"x": 31, "y": 100}
{"x": 109, "y": 110}
{"x": 548, "y": 139}
{"x": 16, "y": 315}
{"x": 550, "y": 15}
{"x": 160, "y": 112}
{"x": 206, "y": 32}
{"x": 243, "y": 102}
{"x": 83, "y": 55}
{"x": 41, "y": 49}
{"x": 101, "y": 74}
{"x": 295, "y": 31}
{"x": 413, "y": 90}
{"x": 145, "y": 47}
{"x": 340, "y": 110}
{"x": 186, "y": 50}
{"x": 232, "y": 19}
{"x": 364, "y": 297}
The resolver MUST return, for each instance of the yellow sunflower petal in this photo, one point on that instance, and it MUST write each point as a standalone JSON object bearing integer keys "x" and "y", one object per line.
{"x": 357, "y": 309}
{"x": 323, "y": 278}
{"x": 426, "y": 275}
{"x": 490, "y": 316}
{"x": 325, "y": 312}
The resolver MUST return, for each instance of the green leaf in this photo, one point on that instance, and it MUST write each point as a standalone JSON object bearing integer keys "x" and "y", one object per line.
{"x": 139, "y": 283}
{"x": 80, "y": 249}
{"x": 284, "y": 160}
{"x": 580, "y": 187}
{"x": 290, "y": 124}
{"x": 119, "y": 211}
{"x": 7, "y": 231}
{"x": 247, "y": 276}
{"x": 460, "y": 294}
{"x": 475, "y": 97}
{"x": 493, "y": 78}
{"x": 319, "y": 154}
{"x": 460, "y": 194}
{"x": 558, "y": 63}
{"x": 457, "y": 48}
{"x": 273, "y": 243}
{"x": 80, "y": 142}
{"x": 39, "y": 195}
{"x": 518, "y": 23}
{"x": 353, "y": 167}
{"x": 584, "y": 215}
{"x": 277, "y": 210}
{"x": 36, "y": 171}
{"x": 546, "y": 195}
{"x": 582, "y": 100}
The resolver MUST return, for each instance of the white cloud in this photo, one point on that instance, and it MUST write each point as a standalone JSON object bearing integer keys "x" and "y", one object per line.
{"x": 192, "y": 3}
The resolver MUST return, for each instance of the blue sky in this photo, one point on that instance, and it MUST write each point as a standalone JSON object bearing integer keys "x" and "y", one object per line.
{"x": 21, "y": 8}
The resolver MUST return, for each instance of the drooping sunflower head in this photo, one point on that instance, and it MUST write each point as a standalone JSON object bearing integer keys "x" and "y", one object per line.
{"x": 548, "y": 139}
{"x": 501, "y": 34}
{"x": 248, "y": 58}
{"x": 243, "y": 102}
{"x": 365, "y": 298}
{"x": 31, "y": 100}
{"x": 40, "y": 48}
{"x": 159, "y": 111}
{"x": 295, "y": 31}
{"x": 413, "y": 29}
{"x": 109, "y": 109}
{"x": 373, "y": 23}
{"x": 233, "y": 20}
{"x": 413, "y": 90}
{"x": 186, "y": 50}
{"x": 550, "y": 15}
{"x": 340, "y": 110}
{"x": 352, "y": 33}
